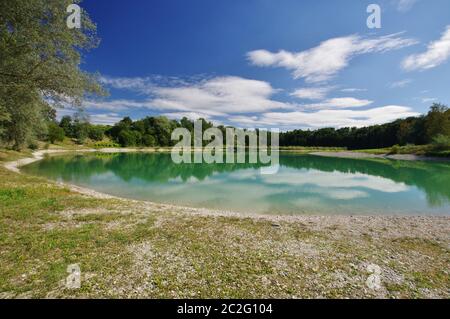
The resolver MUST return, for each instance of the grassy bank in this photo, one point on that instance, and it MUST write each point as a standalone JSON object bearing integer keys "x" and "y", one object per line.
{"x": 135, "y": 249}
{"x": 420, "y": 150}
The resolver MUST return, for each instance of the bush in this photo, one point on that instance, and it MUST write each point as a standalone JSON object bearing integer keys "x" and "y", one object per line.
{"x": 395, "y": 149}
{"x": 106, "y": 144}
{"x": 33, "y": 145}
{"x": 441, "y": 143}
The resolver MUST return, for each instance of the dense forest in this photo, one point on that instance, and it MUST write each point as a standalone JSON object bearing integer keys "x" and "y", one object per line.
{"x": 156, "y": 131}
{"x": 414, "y": 130}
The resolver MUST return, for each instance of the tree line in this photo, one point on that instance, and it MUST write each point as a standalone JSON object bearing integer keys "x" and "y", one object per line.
{"x": 413, "y": 130}
{"x": 156, "y": 131}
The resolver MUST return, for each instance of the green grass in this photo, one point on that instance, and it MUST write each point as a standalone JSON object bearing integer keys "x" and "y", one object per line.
{"x": 306, "y": 150}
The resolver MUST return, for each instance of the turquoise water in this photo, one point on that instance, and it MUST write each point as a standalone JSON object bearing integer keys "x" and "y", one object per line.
{"x": 304, "y": 184}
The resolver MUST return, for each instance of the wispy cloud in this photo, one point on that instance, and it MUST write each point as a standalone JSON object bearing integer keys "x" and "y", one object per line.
{"x": 400, "y": 84}
{"x": 312, "y": 93}
{"x": 428, "y": 100}
{"x": 353, "y": 90}
{"x": 340, "y": 102}
{"x": 323, "y": 62}
{"x": 105, "y": 119}
{"x": 405, "y": 5}
{"x": 437, "y": 53}
{"x": 145, "y": 85}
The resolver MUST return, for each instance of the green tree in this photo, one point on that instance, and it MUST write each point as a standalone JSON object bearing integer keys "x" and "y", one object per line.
{"x": 67, "y": 125}
{"x": 96, "y": 132}
{"x": 127, "y": 138}
{"x": 162, "y": 128}
{"x": 39, "y": 64}
{"x": 55, "y": 133}
{"x": 80, "y": 127}
{"x": 437, "y": 121}
{"x": 187, "y": 124}
{"x": 24, "y": 117}
{"x": 149, "y": 140}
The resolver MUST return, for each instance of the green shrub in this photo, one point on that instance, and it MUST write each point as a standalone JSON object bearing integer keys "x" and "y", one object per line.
{"x": 33, "y": 145}
{"x": 441, "y": 143}
{"x": 395, "y": 149}
{"x": 106, "y": 144}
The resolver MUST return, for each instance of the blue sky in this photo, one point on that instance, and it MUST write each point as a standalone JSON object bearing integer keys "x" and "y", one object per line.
{"x": 269, "y": 63}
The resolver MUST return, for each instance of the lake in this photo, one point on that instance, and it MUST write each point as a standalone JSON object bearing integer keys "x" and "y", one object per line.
{"x": 304, "y": 184}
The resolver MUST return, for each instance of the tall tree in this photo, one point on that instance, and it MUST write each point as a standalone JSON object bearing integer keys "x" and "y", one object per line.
{"x": 437, "y": 121}
{"x": 40, "y": 60}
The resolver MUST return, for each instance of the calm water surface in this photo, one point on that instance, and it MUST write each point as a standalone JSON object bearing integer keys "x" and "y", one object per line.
{"x": 304, "y": 184}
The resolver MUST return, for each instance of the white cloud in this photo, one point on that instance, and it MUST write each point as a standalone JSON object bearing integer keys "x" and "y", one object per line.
{"x": 105, "y": 119}
{"x": 312, "y": 93}
{"x": 353, "y": 90}
{"x": 136, "y": 83}
{"x": 405, "y": 5}
{"x": 219, "y": 96}
{"x": 189, "y": 115}
{"x": 115, "y": 105}
{"x": 145, "y": 85}
{"x": 400, "y": 84}
{"x": 323, "y": 62}
{"x": 340, "y": 102}
{"x": 437, "y": 53}
{"x": 329, "y": 118}
{"x": 102, "y": 118}
{"x": 429, "y": 99}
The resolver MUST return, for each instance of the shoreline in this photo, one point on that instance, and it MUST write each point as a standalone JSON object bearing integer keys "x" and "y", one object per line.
{"x": 14, "y": 166}
{"x": 400, "y": 157}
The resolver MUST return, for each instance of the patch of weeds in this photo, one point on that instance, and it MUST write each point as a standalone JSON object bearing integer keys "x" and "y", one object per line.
{"x": 11, "y": 195}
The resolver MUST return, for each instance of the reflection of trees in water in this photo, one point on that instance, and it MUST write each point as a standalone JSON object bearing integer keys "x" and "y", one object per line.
{"x": 161, "y": 168}
{"x": 432, "y": 178}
